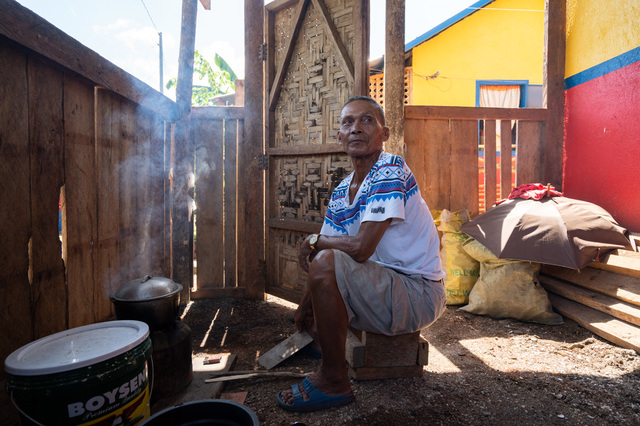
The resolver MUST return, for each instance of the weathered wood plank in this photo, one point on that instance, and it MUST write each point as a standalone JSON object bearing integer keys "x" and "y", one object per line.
{"x": 610, "y": 328}
{"x": 505, "y": 158}
{"x": 143, "y": 245}
{"x": 354, "y": 350}
{"x": 16, "y": 322}
{"x": 375, "y": 373}
{"x": 129, "y": 167}
{"x": 528, "y": 149}
{"x": 474, "y": 113}
{"x": 434, "y": 144}
{"x": 284, "y": 349}
{"x": 361, "y": 48}
{"x": 250, "y": 190}
{"x": 80, "y": 232}
{"x": 415, "y": 157}
{"x": 295, "y": 225}
{"x": 305, "y": 150}
{"x": 390, "y": 351}
{"x": 489, "y": 163}
{"x": 394, "y": 65}
{"x": 464, "y": 166}
{"x": 46, "y": 132}
{"x": 108, "y": 177}
{"x": 157, "y": 175}
{"x": 609, "y": 305}
{"x": 209, "y": 201}
{"x": 232, "y": 134}
{"x": 628, "y": 265}
{"x": 553, "y": 74}
{"x": 604, "y": 282}
{"x": 181, "y": 207}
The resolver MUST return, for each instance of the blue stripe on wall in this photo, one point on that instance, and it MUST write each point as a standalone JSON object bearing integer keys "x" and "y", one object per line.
{"x": 603, "y": 68}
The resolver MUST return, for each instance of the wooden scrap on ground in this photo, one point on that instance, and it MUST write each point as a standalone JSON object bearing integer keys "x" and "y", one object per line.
{"x": 248, "y": 375}
{"x": 284, "y": 349}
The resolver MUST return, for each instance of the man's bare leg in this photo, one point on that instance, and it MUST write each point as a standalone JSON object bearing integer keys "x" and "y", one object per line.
{"x": 331, "y": 323}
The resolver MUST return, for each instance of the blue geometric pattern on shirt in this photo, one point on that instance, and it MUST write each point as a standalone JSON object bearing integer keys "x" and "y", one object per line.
{"x": 391, "y": 180}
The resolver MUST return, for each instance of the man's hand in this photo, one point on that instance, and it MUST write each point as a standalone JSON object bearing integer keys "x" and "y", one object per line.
{"x": 305, "y": 254}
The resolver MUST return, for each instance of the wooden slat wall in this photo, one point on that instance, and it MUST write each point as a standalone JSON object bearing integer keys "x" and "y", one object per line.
{"x": 80, "y": 200}
{"x": 442, "y": 151}
{"x": 100, "y": 155}
{"x": 217, "y": 134}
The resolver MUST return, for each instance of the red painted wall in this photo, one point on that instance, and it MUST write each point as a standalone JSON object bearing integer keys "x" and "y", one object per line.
{"x": 602, "y": 144}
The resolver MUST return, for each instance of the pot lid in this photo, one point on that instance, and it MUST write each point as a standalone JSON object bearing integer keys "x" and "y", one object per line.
{"x": 147, "y": 288}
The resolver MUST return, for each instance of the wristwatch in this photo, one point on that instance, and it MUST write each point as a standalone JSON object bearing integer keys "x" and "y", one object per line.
{"x": 313, "y": 240}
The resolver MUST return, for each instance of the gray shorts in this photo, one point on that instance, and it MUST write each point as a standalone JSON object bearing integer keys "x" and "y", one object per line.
{"x": 382, "y": 300}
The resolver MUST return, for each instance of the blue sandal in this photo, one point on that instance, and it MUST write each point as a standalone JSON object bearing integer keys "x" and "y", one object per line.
{"x": 317, "y": 399}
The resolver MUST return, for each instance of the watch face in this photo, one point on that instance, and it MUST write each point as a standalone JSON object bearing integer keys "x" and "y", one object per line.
{"x": 313, "y": 240}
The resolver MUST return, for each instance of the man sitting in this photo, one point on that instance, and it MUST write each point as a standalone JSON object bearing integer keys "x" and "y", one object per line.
{"x": 375, "y": 264}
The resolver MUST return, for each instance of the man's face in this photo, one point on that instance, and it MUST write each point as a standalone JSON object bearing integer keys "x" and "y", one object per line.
{"x": 361, "y": 131}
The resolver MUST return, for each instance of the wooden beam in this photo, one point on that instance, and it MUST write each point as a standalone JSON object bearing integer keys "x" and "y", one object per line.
{"x": 609, "y": 305}
{"x": 474, "y": 113}
{"x": 181, "y": 214}
{"x": 608, "y": 283}
{"x": 610, "y": 328}
{"x": 553, "y": 89}
{"x": 288, "y": 51}
{"x": 250, "y": 186}
{"x": 184, "y": 87}
{"x": 333, "y": 148}
{"x": 361, "y": 49}
{"x": 295, "y": 225}
{"x": 342, "y": 55}
{"x": 394, "y": 76}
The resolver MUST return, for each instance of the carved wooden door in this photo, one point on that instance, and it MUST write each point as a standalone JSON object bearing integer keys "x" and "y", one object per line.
{"x": 316, "y": 54}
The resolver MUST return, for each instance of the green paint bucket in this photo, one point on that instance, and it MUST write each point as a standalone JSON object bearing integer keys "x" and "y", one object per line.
{"x": 90, "y": 375}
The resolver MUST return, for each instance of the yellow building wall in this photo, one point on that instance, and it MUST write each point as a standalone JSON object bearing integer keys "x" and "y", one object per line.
{"x": 600, "y": 30}
{"x": 503, "y": 41}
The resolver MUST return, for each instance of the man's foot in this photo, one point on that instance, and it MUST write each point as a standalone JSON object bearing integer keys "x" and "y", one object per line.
{"x": 309, "y": 398}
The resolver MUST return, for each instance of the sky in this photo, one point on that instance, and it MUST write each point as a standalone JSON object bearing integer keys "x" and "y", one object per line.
{"x": 126, "y": 31}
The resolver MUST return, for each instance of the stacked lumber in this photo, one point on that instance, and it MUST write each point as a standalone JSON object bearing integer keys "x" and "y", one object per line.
{"x": 603, "y": 297}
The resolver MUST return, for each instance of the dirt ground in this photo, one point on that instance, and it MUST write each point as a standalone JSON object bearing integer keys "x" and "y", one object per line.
{"x": 481, "y": 371}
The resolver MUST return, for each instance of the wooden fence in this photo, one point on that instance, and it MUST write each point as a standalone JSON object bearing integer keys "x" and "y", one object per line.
{"x": 442, "y": 150}
{"x": 217, "y": 133}
{"x": 84, "y": 142}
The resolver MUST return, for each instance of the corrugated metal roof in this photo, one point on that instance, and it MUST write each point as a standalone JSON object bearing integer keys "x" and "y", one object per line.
{"x": 446, "y": 24}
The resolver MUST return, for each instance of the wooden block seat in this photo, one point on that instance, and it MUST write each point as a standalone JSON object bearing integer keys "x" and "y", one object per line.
{"x": 377, "y": 356}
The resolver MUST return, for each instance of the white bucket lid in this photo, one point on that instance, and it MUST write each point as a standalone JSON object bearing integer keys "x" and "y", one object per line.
{"x": 76, "y": 348}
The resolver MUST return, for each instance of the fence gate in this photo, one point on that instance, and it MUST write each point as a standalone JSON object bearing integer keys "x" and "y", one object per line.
{"x": 315, "y": 61}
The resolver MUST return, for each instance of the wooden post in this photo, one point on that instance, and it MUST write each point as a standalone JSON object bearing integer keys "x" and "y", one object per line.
{"x": 394, "y": 76}
{"x": 250, "y": 182}
{"x": 553, "y": 89}
{"x": 182, "y": 153}
{"x": 361, "y": 49}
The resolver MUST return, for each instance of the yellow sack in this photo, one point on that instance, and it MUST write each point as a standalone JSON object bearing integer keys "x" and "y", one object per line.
{"x": 508, "y": 289}
{"x": 462, "y": 270}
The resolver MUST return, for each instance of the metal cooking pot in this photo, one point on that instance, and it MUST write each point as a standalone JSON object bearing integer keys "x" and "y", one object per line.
{"x": 154, "y": 300}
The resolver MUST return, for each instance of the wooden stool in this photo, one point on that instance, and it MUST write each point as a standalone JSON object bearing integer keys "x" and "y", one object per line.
{"x": 377, "y": 356}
